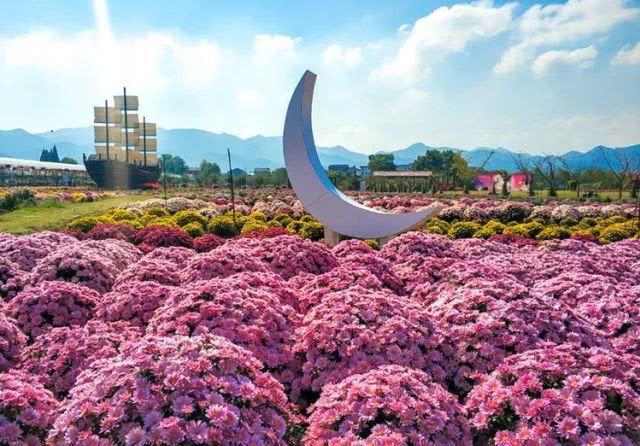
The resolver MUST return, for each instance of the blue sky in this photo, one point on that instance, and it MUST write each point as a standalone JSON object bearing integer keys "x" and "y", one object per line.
{"x": 542, "y": 77}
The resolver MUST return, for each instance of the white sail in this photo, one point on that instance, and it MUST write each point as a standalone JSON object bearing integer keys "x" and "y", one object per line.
{"x": 100, "y": 116}
{"x": 150, "y": 129}
{"x": 100, "y": 134}
{"x": 132, "y": 102}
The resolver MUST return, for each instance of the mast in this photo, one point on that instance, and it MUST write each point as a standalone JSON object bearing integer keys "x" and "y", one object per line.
{"x": 126, "y": 127}
{"x": 144, "y": 139}
{"x": 106, "y": 114}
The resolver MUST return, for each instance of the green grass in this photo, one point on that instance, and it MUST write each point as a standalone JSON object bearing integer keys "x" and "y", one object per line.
{"x": 52, "y": 215}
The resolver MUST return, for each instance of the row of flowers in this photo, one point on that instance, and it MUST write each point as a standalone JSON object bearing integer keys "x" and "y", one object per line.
{"x": 280, "y": 340}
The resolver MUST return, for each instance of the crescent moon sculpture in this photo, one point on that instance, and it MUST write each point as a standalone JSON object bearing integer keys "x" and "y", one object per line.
{"x": 317, "y": 193}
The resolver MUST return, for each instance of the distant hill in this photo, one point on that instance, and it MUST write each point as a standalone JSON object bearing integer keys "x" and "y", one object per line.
{"x": 266, "y": 151}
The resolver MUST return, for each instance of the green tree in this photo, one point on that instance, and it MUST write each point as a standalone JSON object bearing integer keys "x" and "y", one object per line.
{"x": 68, "y": 160}
{"x": 173, "y": 164}
{"x": 280, "y": 177}
{"x": 209, "y": 173}
{"x": 381, "y": 161}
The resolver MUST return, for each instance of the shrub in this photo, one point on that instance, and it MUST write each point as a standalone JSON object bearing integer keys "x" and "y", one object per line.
{"x": 251, "y": 318}
{"x": 312, "y": 230}
{"x": 356, "y": 330}
{"x": 257, "y": 216}
{"x": 587, "y": 222}
{"x": 153, "y": 237}
{"x": 307, "y": 219}
{"x": 289, "y": 255}
{"x": 17, "y": 199}
{"x": 463, "y": 229}
{"x": 12, "y": 279}
{"x": 568, "y": 222}
{"x": 77, "y": 264}
{"x": 194, "y": 229}
{"x": 201, "y": 390}
{"x": 295, "y": 226}
{"x": 283, "y": 219}
{"x": 188, "y": 216}
{"x": 132, "y": 301}
{"x": 373, "y": 243}
{"x": 253, "y": 226}
{"x": 222, "y": 225}
{"x": 220, "y": 262}
{"x": 28, "y": 409}
{"x": 120, "y": 215}
{"x": 553, "y": 232}
{"x": 120, "y": 231}
{"x": 12, "y": 341}
{"x": 207, "y": 242}
{"x": 388, "y": 405}
{"x": 52, "y": 304}
{"x": 437, "y": 226}
{"x": 559, "y": 395}
{"x": 85, "y": 224}
{"x": 58, "y": 356}
{"x": 529, "y": 230}
{"x": 268, "y": 232}
{"x": 157, "y": 212}
{"x": 615, "y": 232}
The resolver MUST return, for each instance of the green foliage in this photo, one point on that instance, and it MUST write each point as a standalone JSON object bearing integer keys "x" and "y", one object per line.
{"x": 194, "y": 229}
{"x": 553, "y": 232}
{"x": 381, "y": 161}
{"x": 68, "y": 160}
{"x": 223, "y": 226}
{"x": 312, "y": 230}
{"x": 295, "y": 226}
{"x": 258, "y": 216}
{"x": 122, "y": 215}
{"x": 463, "y": 229}
{"x": 437, "y": 226}
{"x": 530, "y": 230}
{"x": 568, "y": 222}
{"x": 373, "y": 243}
{"x": 157, "y": 212}
{"x": 253, "y": 225}
{"x": 492, "y": 227}
{"x": 173, "y": 164}
{"x": 17, "y": 199}
{"x": 187, "y": 216}
{"x": 86, "y": 224}
{"x": 307, "y": 218}
{"x": 209, "y": 173}
{"x": 617, "y": 232}
{"x": 448, "y": 167}
{"x": 283, "y": 219}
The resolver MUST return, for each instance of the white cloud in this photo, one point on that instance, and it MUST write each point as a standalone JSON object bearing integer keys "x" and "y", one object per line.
{"x": 266, "y": 46}
{"x": 446, "y": 30}
{"x": 557, "y": 24}
{"x": 250, "y": 97}
{"x": 337, "y": 54}
{"x": 627, "y": 56}
{"x": 580, "y": 58}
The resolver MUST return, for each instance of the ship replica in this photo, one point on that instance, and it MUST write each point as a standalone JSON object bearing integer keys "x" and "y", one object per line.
{"x": 126, "y": 150}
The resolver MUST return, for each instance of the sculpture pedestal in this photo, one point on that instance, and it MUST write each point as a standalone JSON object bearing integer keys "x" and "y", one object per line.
{"x": 331, "y": 237}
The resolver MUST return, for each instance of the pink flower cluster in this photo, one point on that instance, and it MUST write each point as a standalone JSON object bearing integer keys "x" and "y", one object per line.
{"x": 46, "y": 305}
{"x": 559, "y": 395}
{"x": 28, "y": 249}
{"x": 59, "y": 355}
{"x": 252, "y": 318}
{"x": 152, "y": 237}
{"x": 12, "y": 341}
{"x": 12, "y": 279}
{"x": 27, "y": 409}
{"x": 173, "y": 391}
{"x": 121, "y": 231}
{"x": 389, "y": 405}
{"x": 356, "y": 330}
{"x": 222, "y": 262}
{"x": 132, "y": 301}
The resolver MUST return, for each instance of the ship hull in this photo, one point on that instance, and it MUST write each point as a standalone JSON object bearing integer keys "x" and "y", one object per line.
{"x": 114, "y": 174}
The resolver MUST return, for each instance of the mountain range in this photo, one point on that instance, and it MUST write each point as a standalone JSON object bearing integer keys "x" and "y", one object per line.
{"x": 194, "y": 145}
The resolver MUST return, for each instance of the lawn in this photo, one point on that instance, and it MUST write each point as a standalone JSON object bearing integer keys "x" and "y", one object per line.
{"x": 54, "y": 215}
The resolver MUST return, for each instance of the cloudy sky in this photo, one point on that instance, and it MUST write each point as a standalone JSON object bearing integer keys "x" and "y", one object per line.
{"x": 541, "y": 77}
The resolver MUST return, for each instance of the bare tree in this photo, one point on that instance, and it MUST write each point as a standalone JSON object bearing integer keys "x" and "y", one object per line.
{"x": 621, "y": 174}
{"x": 547, "y": 169}
{"x": 525, "y": 167}
{"x": 573, "y": 173}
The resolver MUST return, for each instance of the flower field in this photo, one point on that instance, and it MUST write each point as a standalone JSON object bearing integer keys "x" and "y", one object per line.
{"x": 499, "y": 323}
